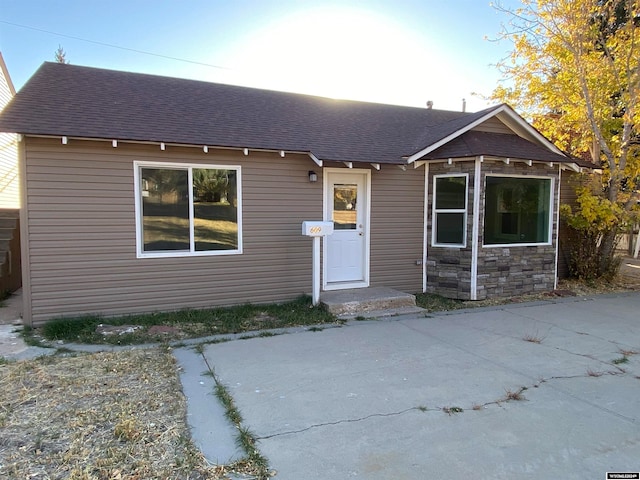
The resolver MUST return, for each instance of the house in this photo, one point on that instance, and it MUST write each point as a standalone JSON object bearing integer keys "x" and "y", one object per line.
{"x": 146, "y": 193}
{"x": 10, "y": 271}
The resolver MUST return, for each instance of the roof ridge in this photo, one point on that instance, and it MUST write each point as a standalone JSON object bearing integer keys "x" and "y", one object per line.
{"x": 49, "y": 64}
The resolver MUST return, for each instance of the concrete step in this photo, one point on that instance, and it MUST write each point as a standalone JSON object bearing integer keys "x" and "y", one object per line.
{"x": 359, "y": 301}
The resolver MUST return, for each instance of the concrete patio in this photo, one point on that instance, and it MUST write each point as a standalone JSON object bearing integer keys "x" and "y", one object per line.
{"x": 430, "y": 397}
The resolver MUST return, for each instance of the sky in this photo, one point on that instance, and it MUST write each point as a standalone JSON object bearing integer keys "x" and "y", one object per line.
{"x": 403, "y": 52}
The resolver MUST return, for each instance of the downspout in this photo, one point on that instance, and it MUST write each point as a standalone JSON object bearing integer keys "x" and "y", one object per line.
{"x": 475, "y": 229}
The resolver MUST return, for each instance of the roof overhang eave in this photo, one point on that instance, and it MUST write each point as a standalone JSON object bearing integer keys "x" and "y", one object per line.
{"x": 204, "y": 146}
{"x": 495, "y": 158}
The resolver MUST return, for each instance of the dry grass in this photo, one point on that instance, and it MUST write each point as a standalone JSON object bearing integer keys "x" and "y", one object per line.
{"x": 514, "y": 395}
{"x": 628, "y": 353}
{"x": 176, "y": 229}
{"x": 97, "y": 416}
{"x": 533, "y": 338}
{"x": 566, "y": 288}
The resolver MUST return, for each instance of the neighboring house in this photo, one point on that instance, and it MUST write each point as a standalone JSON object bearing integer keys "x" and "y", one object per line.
{"x": 10, "y": 274}
{"x": 9, "y": 188}
{"x": 148, "y": 193}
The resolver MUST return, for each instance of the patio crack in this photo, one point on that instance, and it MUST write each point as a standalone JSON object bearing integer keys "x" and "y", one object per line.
{"x": 349, "y": 420}
{"x": 620, "y": 371}
{"x": 509, "y": 397}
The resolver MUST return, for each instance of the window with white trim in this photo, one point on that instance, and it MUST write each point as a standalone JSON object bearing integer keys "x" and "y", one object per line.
{"x": 184, "y": 209}
{"x": 517, "y": 210}
{"x": 450, "y": 210}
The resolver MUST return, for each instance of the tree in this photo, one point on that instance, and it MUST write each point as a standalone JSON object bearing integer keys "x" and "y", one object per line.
{"x": 210, "y": 185}
{"x": 61, "y": 55}
{"x": 574, "y": 70}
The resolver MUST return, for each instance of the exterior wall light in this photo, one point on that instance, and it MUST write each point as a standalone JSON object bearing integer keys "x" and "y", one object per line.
{"x": 313, "y": 176}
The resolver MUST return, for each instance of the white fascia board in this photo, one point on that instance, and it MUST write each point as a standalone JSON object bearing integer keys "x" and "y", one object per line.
{"x": 571, "y": 166}
{"x": 315, "y": 159}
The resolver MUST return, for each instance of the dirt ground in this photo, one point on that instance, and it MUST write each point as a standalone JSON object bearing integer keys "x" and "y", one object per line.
{"x": 630, "y": 272}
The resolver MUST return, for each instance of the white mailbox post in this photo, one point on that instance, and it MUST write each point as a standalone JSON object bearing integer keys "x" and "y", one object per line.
{"x": 316, "y": 230}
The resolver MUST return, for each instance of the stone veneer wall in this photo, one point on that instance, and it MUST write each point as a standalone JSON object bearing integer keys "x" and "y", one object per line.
{"x": 502, "y": 271}
{"x": 449, "y": 269}
{"x": 510, "y": 271}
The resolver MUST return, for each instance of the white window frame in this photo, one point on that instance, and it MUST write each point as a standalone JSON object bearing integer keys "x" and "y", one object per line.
{"x": 435, "y": 211}
{"x": 551, "y": 210}
{"x": 137, "y": 178}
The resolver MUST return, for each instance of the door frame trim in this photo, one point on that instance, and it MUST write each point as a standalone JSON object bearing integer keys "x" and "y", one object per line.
{"x": 367, "y": 229}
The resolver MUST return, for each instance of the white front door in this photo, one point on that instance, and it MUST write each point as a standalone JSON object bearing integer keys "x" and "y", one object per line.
{"x": 346, "y": 253}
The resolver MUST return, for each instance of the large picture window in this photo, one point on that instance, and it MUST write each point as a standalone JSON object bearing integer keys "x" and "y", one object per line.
{"x": 187, "y": 210}
{"x": 517, "y": 210}
{"x": 450, "y": 210}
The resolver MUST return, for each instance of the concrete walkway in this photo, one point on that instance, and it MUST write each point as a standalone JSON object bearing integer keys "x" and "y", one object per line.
{"x": 524, "y": 391}
{"x": 12, "y": 345}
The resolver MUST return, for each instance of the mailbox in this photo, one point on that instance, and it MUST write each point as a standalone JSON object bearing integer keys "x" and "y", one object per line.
{"x": 317, "y": 229}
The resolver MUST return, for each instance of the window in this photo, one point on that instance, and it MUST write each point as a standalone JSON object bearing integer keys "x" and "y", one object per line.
{"x": 345, "y": 201}
{"x": 450, "y": 210}
{"x": 517, "y": 210}
{"x": 187, "y": 210}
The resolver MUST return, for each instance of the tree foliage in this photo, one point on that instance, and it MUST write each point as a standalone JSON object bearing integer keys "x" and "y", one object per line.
{"x": 590, "y": 222}
{"x": 210, "y": 185}
{"x": 574, "y": 70}
{"x": 60, "y": 55}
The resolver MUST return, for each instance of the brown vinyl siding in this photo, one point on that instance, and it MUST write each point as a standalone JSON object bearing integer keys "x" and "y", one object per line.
{"x": 81, "y": 227}
{"x": 397, "y": 228}
{"x": 81, "y": 232}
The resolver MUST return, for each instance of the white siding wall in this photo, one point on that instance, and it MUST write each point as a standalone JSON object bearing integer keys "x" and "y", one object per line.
{"x": 9, "y": 192}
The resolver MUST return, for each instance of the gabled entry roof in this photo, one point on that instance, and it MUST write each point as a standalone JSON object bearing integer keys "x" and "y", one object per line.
{"x": 475, "y": 143}
{"x": 83, "y": 102}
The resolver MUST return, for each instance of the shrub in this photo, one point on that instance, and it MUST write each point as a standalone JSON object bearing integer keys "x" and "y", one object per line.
{"x": 594, "y": 219}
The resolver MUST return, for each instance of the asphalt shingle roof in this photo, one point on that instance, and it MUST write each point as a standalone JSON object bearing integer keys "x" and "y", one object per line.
{"x": 75, "y": 101}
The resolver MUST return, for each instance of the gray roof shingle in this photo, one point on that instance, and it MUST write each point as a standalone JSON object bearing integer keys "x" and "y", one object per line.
{"x": 74, "y": 101}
